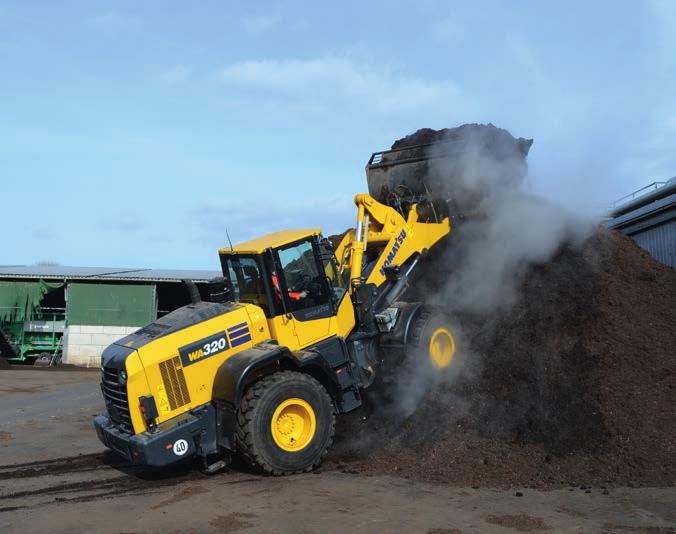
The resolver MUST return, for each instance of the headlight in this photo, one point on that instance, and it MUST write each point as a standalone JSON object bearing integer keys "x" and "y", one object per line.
{"x": 123, "y": 377}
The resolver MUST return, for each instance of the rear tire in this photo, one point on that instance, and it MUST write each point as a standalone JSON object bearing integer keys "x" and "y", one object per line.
{"x": 285, "y": 424}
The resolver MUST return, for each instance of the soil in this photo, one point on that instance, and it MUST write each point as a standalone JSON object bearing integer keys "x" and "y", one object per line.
{"x": 575, "y": 385}
{"x": 520, "y": 522}
{"x": 486, "y": 136}
{"x": 458, "y": 167}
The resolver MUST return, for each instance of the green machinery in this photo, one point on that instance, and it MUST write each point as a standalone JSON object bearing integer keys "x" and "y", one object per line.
{"x": 39, "y": 338}
{"x": 29, "y": 332}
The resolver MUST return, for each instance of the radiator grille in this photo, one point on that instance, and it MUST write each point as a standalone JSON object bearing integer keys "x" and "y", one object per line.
{"x": 174, "y": 382}
{"x": 115, "y": 396}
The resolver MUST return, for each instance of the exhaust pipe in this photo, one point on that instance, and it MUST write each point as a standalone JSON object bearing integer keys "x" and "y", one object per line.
{"x": 193, "y": 292}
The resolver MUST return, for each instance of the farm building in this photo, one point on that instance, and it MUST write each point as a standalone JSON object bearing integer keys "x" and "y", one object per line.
{"x": 648, "y": 216}
{"x": 74, "y": 313}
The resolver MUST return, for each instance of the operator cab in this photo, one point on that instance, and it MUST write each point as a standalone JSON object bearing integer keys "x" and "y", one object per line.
{"x": 290, "y": 273}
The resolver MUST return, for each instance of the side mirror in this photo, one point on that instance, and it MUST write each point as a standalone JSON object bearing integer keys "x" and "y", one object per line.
{"x": 326, "y": 244}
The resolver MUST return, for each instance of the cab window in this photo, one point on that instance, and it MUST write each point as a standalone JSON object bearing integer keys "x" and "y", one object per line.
{"x": 338, "y": 281}
{"x": 245, "y": 280}
{"x": 306, "y": 289}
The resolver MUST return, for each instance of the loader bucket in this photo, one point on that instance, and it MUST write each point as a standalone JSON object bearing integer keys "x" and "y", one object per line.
{"x": 458, "y": 165}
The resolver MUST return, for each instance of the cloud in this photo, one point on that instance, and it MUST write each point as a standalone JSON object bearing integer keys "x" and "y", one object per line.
{"x": 175, "y": 75}
{"x": 261, "y": 23}
{"x": 43, "y": 233}
{"x": 120, "y": 224}
{"x": 113, "y": 22}
{"x": 448, "y": 29}
{"x": 334, "y": 81}
{"x": 659, "y": 158}
{"x": 525, "y": 59}
{"x": 653, "y": 157}
{"x": 245, "y": 220}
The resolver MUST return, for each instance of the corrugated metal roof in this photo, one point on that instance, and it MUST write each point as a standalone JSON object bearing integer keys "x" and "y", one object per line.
{"x": 634, "y": 202}
{"x": 650, "y": 214}
{"x": 651, "y": 221}
{"x": 104, "y": 273}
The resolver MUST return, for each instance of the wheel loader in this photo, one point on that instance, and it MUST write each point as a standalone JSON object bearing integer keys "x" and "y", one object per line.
{"x": 291, "y": 336}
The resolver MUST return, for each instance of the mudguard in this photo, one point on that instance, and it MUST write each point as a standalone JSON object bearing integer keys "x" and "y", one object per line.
{"x": 233, "y": 374}
{"x": 326, "y": 361}
{"x": 400, "y": 334}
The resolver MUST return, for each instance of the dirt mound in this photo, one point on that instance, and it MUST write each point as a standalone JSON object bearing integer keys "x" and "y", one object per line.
{"x": 480, "y": 136}
{"x": 574, "y": 385}
{"x": 463, "y": 166}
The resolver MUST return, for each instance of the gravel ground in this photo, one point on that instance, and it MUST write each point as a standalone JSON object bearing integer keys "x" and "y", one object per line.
{"x": 56, "y": 477}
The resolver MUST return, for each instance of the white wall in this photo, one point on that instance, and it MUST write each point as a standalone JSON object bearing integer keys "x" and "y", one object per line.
{"x": 83, "y": 345}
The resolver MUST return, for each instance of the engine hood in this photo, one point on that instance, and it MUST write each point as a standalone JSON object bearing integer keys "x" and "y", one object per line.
{"x": 172, "y": 322}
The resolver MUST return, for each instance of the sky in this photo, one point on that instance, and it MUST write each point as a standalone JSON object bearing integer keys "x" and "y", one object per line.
{"x": 132, "y": 134}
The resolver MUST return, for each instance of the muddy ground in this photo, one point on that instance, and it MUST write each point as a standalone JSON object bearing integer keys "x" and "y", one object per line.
{"x": 56, "y": 477}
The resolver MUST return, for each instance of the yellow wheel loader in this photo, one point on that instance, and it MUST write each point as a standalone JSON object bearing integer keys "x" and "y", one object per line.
{"x": 293, "y": 333}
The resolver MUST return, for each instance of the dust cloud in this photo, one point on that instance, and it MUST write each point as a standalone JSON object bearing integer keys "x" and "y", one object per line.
{"x": 501, "y": 232}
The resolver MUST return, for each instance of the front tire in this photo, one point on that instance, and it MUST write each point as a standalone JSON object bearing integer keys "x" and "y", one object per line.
{"x": 285, "y": 424}
{"x": 432, "y": 339}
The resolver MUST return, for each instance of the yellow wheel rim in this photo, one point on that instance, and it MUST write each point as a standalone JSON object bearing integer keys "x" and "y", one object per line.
{"x": 293, "y": 425}
{"x": 442, "y": 348}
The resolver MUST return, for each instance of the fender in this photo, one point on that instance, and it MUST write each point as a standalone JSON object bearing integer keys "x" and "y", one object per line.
{"x": 231, "y": 377}
{"x": 400, "y": 333}
{"x": 394, "y": 343}
{"x": 238, "y": 371}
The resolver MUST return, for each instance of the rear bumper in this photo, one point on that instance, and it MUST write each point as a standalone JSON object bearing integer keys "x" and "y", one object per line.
{"x": 190, "y": 434}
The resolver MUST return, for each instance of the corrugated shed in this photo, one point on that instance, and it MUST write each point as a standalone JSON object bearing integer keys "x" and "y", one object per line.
{"x": 650, "y": 220}
{"x": 61, "y": 272}
{"x": 660, "y": 241}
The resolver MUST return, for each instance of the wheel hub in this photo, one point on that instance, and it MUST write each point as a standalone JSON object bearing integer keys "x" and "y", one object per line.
{"x": 442, "y": 348}
{"x": 293, "y": 425}
{"x": 285, "y": 424}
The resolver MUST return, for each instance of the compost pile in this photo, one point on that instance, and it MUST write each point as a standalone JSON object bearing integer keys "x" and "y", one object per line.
{"x": 572, "y": 384}
{"x": 577, "y": 385}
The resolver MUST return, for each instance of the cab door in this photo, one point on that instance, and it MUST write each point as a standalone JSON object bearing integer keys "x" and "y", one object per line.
{"x": 304, "y": 288}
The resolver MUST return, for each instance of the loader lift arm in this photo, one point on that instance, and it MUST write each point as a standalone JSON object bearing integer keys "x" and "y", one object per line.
{"x": 383, "y": 238}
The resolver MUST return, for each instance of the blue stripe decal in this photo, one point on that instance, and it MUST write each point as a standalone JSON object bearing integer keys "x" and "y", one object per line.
{"x": 236, "y": 327}
{"x": 239, "y": 332}
{"x": 240, "y": 341}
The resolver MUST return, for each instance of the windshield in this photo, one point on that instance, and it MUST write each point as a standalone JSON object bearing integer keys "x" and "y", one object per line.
{"x": 337, "y": 280}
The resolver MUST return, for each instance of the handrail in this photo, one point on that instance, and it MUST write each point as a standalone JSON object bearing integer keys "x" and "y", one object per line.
{"x": 631, "y": 196}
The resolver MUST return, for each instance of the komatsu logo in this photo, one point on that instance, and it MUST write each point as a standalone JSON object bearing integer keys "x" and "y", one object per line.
{"x": 393, "y": 252}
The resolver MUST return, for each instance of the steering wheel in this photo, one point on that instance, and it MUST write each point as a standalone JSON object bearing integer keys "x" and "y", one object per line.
{"x": 303, "y": 282}
{"x": 314, "y": 287}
